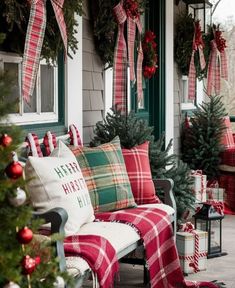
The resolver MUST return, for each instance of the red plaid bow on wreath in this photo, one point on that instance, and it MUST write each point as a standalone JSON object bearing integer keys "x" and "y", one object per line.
{"x": 127, "y": 10}
{"x": 34, "y": 40}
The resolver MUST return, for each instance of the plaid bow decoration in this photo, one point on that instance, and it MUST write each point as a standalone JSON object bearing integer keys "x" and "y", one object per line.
{"x": 217, "y": 69}
{"x": 198, "y": 45}
{"x": 120, "y": 57}
{"x": 34, "y": 40}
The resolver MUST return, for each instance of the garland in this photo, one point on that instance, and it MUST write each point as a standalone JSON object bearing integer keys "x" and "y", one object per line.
{"x": 105, "y": 26}
{"x": 14, "y": 20}
{"x": 150, "y": 56}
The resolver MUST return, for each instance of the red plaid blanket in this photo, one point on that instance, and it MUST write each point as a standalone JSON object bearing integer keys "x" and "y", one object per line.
{"x": 99, "y": 254}
{"x": 155, "y": 230}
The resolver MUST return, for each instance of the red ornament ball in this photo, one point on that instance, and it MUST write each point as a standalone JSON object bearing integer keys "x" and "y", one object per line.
{"x": 28, "y": 265}
{"x": 14, "y": 170}
{"x": 24, "y": 235}
{"x": 5, "y": 140}
{"x": 37, "y": 260}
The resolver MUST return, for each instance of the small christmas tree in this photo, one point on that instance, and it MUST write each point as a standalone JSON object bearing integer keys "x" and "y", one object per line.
{"x": 134, "y": 131}
{"x": 201, "y": 142}
{"x": 23, "y": 261}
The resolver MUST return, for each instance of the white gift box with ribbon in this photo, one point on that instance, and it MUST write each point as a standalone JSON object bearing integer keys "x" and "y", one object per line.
{"x": 199, "y": 185}
{"x": 192, "y": 248}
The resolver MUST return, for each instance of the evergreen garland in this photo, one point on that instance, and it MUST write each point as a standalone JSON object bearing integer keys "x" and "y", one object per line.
{"x": 201, "y": 142}
{"x": 134, "y": 131}
{"x": 14, "y": 20}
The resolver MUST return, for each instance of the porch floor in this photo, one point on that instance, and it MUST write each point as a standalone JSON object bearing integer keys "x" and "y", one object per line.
{"x": 220, "y": 268}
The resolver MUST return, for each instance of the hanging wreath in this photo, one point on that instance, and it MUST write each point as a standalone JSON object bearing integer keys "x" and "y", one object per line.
{"x": 105, "y": 26}
{"x": 184, "y": 45}
{"x": 150, "y": 55}
{"x": 14, "y": 20}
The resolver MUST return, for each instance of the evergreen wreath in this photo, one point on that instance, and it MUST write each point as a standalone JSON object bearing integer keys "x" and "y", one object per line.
{"x": 14, "y": 20}
{"x": 184, "y": 43}
{"x": 105, "y": 26}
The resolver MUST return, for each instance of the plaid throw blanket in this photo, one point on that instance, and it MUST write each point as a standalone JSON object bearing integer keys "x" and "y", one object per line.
{"x": 99, "y": 254}
{"x": 156, "y": 233}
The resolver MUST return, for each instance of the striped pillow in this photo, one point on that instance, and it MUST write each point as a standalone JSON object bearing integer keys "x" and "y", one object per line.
{"x": 139, "y": 172}
{"x": 104, "y": 170}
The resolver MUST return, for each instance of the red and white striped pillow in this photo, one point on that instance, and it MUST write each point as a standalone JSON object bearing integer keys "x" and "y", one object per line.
{"x": 139, "y": 172}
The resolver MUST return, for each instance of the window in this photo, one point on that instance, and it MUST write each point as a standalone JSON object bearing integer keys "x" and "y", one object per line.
{"x": 43, "y": 107}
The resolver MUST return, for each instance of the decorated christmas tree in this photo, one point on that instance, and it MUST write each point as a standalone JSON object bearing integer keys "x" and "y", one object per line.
{"x": 24, "y": 262}
{"x": 201, "y": 141}
{"x": 134, "y": 131}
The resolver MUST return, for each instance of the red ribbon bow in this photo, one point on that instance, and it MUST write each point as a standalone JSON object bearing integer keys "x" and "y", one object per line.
{"x": 34, "y": 40}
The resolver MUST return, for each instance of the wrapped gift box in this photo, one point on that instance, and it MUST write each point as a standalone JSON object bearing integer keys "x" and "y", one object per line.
{"x": 216, "y": 194}
{"x": 199, "y": 186}
{"x": 185, "y": 242}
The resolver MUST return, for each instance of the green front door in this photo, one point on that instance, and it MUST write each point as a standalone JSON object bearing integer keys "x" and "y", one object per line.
{"x": 153, "y": 106}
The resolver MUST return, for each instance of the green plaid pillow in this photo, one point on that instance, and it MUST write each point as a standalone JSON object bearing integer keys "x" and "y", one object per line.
{"x": 104, "y": 170}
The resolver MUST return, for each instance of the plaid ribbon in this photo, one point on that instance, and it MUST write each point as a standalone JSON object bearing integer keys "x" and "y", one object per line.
{"x": 34, "y": 40}
{"x": 99, "y": 254}
{"x": 120, "y": 57}
{"x": 217, "y": 69}
{"x": 197, "y": 46}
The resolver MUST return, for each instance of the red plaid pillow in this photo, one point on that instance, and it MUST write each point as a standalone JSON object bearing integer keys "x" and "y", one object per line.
{"x": 138, "y": 170}
{"x": 227, "y": 139}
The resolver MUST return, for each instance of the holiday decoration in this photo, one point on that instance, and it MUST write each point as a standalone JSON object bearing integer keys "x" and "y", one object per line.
{"x": 14, "y": 19}
{"x": 34, "y": 40}
{"x": 34, "y": 148}
{"x": 192, "y": 248}
{"x": 28, "y": 265}
{"x": 201, "y": 142}
{"x": 25, "y": 235}
{"x": 150, "y": 56}
{"x": 11, "y": 285}
{"x": 217, "y": 67}
{"x": 126, "y": 11}
{"x": 134, "y": 131}
{"x": 14, "y": 170}
{"x": 198, "y": 45}
{"x": 5, "y": 140}
{"x": 49, "y": 142}
{"x": 199, "y": 186}
{"x": 19, "y": 198}
{"x": 74, "y": 136}
{"x": 15, "y": 211}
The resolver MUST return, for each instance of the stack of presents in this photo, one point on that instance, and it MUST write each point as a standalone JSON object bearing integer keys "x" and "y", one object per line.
{"x": 192, "y": 244}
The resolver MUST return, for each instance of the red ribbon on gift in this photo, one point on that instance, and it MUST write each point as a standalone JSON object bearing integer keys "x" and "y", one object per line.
{"x": 34, "y": 40}
{"x": 198, "y": 45}
{"x": 217, "y": 205}
{"x": 124, "y": 13}
{"x": 189, "y": 227}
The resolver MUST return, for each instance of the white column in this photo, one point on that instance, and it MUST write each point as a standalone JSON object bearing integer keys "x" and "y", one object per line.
{"x": 169, "y": 71}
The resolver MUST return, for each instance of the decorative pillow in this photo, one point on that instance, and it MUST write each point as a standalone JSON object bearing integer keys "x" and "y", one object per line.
{"x": 139, "y": 172}
{"x": 227, "y": 139}
{"x": 57, "y": 181}
{"x": 105, "y": 173}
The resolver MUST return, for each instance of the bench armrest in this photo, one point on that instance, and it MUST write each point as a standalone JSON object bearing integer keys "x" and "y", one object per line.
{"x": 57, "y": 217}
{"x": 167, "y": 186}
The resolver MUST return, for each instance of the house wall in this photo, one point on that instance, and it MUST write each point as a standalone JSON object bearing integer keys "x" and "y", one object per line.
{"x": 93, "y": 80}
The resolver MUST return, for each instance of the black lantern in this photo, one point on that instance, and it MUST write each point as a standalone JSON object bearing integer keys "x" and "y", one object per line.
{"x": 209, "y": 219}
{"x": 200, "y": 10}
